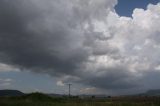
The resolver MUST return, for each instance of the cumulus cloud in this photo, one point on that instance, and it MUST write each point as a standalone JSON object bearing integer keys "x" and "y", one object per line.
{"x": 83, "y": 41}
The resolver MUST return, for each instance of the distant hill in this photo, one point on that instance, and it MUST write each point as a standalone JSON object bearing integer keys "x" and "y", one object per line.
{"x": 155, "y": 92}
{"x": 11, "y": 93}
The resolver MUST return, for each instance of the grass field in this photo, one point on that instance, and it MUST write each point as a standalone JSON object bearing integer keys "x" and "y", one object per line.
{"x": 43, "y": 100}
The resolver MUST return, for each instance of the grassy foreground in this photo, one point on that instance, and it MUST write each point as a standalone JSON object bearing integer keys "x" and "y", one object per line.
{"x": 43, "y": 100}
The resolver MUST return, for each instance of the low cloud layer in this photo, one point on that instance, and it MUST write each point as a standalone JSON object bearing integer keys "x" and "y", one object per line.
{"x": 5, "y": 82}
{"x": 81, "y": 41}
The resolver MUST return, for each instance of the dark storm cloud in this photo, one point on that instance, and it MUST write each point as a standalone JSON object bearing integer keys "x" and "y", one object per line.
{"x": 58, "y": 38}
{"x": 39, "y": 40}
{"x": 113, "y": 79}
{"x": 27, "y": 49}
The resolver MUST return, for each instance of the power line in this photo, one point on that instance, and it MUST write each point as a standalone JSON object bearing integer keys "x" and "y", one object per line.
{"x": 69, "y": 89}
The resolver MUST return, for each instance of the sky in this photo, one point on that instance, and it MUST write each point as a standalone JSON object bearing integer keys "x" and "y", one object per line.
{"x": 126, "y": 7}
{"x": 102, "y": 47}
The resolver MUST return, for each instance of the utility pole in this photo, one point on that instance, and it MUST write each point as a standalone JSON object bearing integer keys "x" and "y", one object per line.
{"x": 69, "y": 89}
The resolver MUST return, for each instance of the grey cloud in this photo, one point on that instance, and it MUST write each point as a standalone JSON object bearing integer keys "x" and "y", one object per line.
{"x": 112, "y": 78}
{"x": 31, "y": 38}
{"x": 51, "y": 37}
{"x": 26, "y": 48}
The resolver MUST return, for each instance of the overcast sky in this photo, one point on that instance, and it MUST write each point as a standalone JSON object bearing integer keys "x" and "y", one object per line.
{"x": 100, "y": 49}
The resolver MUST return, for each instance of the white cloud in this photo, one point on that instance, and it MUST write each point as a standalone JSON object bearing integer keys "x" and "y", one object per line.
{"x": 7, "y": 68}
{"x": 121, "y": 44}
{"x": 135, "y": 36}
{"x": 134, "y": 40}
{"x": 60, "y": 83}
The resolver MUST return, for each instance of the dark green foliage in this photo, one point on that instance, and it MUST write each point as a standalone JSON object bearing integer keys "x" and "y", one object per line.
{"x": 39, "y": 99}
